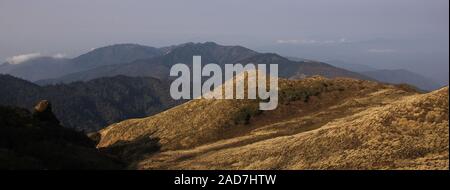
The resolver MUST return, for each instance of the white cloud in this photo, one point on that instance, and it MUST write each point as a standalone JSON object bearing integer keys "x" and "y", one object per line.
{"x": 343, "y": 40}
{"x": 26, "y": 57}
{"x": 22, "y": 58}
{"x": 381, "y": 50}
{"x": 59, "y": 55}
{"x": 287, "y": 41}
{"x": 302, "y": 41}
{"x": 312, "y": 41}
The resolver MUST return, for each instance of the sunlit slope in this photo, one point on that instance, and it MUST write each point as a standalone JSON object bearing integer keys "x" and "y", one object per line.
{"x": 203, "y": 121}
{"x": 325, "y": 119}
{"x": 409, "y": 133}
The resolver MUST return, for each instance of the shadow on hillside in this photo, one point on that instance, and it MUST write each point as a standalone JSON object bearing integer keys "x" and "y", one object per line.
{"x": 37, "y": 141}
{"x": 135, "y": 150}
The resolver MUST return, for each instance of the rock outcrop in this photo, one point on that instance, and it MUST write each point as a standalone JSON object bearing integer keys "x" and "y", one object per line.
{"x": 43, "y": 112}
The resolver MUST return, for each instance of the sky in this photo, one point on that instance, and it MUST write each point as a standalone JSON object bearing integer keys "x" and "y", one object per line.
{"x": 393, "y": 34}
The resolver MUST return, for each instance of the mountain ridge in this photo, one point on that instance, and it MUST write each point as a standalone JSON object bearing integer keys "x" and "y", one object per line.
{"x": 393, "y": 76}
{"x": 46, "y": 67}
{"x": 398, "y": 76}
{"x": 211, "y": 52}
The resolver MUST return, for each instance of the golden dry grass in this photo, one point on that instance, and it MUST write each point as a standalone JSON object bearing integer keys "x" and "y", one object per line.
{"x": 319, "y": 124}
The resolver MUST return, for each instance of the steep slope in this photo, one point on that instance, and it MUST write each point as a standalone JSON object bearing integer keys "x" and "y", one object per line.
{"x": 33, "y": 141}
{"x": 91, "y": 105}
{"x": 403, "y": 76}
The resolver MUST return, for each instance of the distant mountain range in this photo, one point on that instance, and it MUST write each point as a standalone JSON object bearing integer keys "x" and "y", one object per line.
{"x": 393, "y": 76}
{"x": 351, "y": 66}
{"x": 50, "y": 67}
{"x": 399, "y": 76}
{"x": 89, "y": 106}
{"x": 144, "y": 61}
{"x": 159, "y": 66}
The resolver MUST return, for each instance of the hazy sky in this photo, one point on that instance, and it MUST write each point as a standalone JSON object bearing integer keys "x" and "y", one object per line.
{"x": 76, "y": 26}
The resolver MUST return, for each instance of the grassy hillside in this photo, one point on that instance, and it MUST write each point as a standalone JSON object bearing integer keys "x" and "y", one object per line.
{"x": 319, "y": 123}
{"x": 410, "y": 133}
